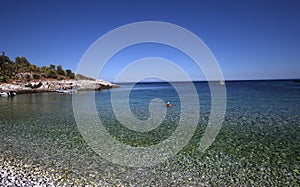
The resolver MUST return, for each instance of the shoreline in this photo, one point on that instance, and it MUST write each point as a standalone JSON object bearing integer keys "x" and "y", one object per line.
{"x": 53, "y": 85}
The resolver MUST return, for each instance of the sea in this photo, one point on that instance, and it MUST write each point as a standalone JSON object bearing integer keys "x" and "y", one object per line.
{"x": 255, "y": 140}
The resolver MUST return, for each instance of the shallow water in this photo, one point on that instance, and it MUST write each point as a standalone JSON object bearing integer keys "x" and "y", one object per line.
{"x": 258, "y": 143}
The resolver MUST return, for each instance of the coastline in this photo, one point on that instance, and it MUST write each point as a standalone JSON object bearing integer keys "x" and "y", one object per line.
{"x": 53, "y": 85}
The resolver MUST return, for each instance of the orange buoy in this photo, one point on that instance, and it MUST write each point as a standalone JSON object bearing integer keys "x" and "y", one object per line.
{"x": 169, "y": 104}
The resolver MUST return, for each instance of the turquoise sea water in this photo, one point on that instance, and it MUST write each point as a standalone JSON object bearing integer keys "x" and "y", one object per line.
{"x": 258, "y": 143}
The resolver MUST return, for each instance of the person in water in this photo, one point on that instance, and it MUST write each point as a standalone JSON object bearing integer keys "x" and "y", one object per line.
{"x": 169, "y": 104}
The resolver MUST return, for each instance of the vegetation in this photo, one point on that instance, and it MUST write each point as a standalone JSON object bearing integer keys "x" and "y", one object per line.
{"x": 22, "y": 69}
{"x": 83, "y": 77}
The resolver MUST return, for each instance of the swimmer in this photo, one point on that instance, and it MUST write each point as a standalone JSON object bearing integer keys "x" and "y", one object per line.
{"x": 169, "y": 104}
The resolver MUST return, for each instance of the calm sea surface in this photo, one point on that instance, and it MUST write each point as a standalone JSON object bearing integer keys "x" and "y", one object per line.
{"x": 258, "y": 143}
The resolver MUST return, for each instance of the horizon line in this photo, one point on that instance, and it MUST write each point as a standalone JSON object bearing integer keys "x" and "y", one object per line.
{"x": 230, "y": 80}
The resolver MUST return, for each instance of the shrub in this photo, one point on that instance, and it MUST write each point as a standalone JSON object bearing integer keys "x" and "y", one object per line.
{"x": 36, "y": 76}
{"x": 51, "y": 74}
{"x": 27, "y": 76}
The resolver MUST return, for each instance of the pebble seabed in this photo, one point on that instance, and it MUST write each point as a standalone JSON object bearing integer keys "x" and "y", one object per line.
{"x": 42, "y": 146}
{"x": 62, "y": 158}
{"x": 258, "y": 145}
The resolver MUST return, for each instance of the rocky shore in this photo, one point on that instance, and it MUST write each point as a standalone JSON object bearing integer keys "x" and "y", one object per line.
{"x": 53, "y": 85}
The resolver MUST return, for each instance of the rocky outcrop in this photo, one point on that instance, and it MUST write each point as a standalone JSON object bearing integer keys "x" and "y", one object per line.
{"x": 53, "y": 85}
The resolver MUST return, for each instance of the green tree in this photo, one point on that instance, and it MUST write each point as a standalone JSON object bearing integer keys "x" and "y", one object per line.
{"x": 52, "y": 66}
{"x": 7, "y": 68}
{"x": 4, "y": 60}
{"x": 32, "y": 68}
{"x": 43, "y": 69}
{"x": 51, "y": 74}
{"x": 36, "y": 76}
{"x": 22, "y": 63}
{"x": 70, "y": 74}
{"x": 60, "y": 70}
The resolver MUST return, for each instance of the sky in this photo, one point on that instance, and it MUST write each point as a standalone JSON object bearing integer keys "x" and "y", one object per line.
{"x": 250, "y": 39}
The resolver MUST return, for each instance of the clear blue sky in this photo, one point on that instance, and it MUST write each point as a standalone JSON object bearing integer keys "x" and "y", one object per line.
{"x": 250, "y": 39}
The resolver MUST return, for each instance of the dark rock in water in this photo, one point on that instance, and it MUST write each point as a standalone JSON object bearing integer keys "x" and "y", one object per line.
{"x": 297, "y": 81}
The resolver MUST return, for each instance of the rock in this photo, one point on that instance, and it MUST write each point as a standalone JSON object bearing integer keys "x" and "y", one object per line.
{"x": 53, "y": 85}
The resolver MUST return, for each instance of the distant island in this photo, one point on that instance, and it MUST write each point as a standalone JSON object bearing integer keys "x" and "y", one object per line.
{"x": 23, "y": 77}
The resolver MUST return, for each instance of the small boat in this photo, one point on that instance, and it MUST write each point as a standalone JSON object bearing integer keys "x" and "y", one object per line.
{"x": 221, "y": 82}
{"x": 3, "y": 94}
{"x": 8, "y": 94}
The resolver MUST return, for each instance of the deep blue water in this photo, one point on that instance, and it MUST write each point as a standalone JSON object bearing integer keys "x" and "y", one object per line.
{"x": 261, "y": 128}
